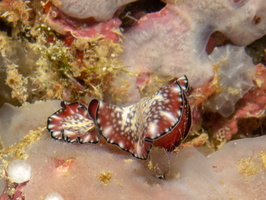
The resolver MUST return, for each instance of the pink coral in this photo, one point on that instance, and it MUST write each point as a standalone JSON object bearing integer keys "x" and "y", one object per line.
{"x": 86, "y": 18}
{"x": 82, "y": 28}
{"x": 17, "y": 193}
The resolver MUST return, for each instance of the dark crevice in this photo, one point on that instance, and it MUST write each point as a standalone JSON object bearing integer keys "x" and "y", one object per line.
{"x": 5, "y": 27}
{"x": 134, "y": 11}
{"x": 257, "y": 51}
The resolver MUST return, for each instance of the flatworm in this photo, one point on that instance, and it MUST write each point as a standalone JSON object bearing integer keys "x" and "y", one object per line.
{"x": 72, "y": 124}
{"x": 163, "y": 120}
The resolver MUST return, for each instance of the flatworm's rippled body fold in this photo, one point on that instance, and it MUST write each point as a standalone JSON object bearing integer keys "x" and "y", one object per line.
{"x": 72, "y": 124}
{"x": 163, "y": 119}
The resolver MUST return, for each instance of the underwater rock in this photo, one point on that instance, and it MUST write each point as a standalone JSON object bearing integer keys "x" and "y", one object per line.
{"x": 173, "y": 40}
{"x": 234, "y": 72}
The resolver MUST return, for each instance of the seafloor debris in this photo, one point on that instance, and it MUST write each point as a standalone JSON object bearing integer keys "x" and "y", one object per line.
{"x": 13, "y": 191}
{"x": 63, "y": 165}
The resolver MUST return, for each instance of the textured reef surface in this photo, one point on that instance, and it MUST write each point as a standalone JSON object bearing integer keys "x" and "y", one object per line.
{"x": 121, "y": 52}
{"x": 76, "y": 171}
{"x": 173, "y": 40}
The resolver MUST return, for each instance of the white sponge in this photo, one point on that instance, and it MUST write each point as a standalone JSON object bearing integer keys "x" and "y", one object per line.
{"x": 54, "y": 196}
{"x": 19, "y": 171}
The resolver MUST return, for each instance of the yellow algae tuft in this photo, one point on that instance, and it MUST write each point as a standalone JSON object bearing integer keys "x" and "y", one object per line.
{"x": 17, "y": 83}
{"x": 49, "y": 66}
{"x": 150, "y": 165}
{"x": 220, "y": 138}
{"x": 263, "y": 157}
{"x": 199, "y": 140}
{"x": 56, "y": 2}
{"x": 105, "y": 177}
{"x": 6, "y": 45}
{"x": 252, "y": 165}
{"x": 176, "y": 2}
{"x": 18, "y": 150}
{"x": 83, "y": 70}
{"x": 128, "y": 160}
{"x": 16, "y": 11}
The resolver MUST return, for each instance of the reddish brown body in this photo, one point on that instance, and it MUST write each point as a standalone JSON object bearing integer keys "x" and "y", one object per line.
{"x": 179, "y": 132}
{"x": 163, "y": 120}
